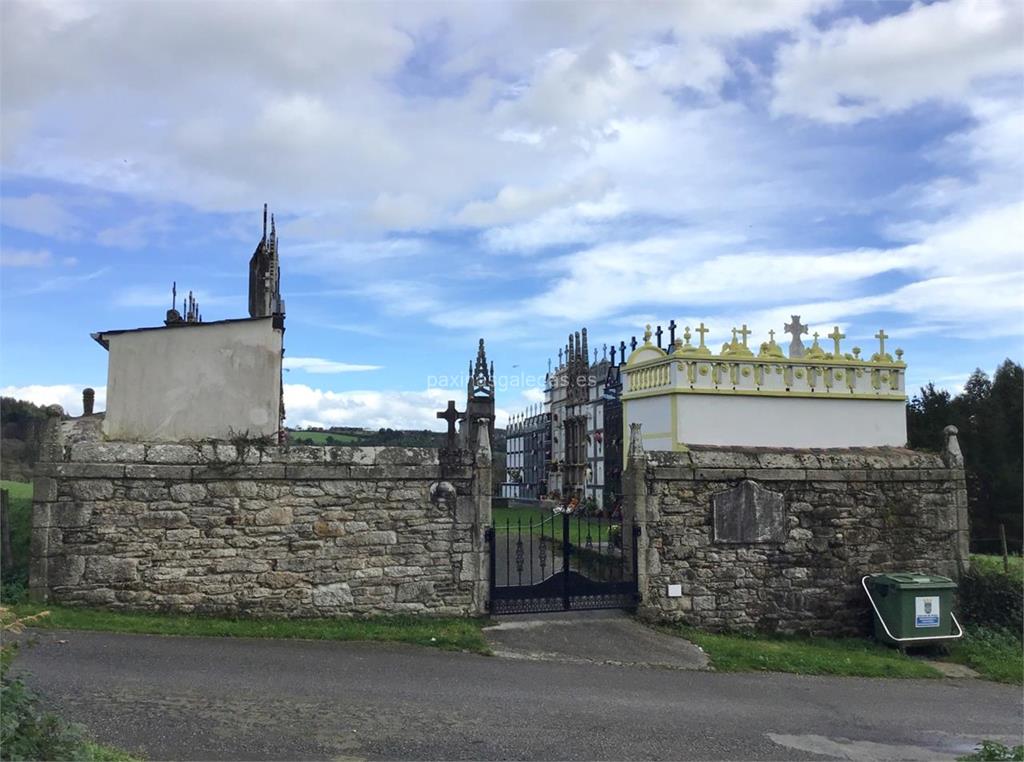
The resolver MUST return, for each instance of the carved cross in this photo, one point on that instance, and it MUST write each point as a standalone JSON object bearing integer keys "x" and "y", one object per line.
{"x": 734, "y": 337}
{"x": 452, "y": 416}
{"x": 796, "y": 328}
{"x": 745, "y": 332}
{"x": 632, "y": 343}
{"x": 836, "y": 336}
{"x": 672, "y": 333}
{"x": 613, "y": 354}
{"x": 881, "y": 336}
{"x": 622, "y": 351}
{"x": 702, "y": 330}
{"x": 658, "y": 334}
{"x": 771, "y": 336}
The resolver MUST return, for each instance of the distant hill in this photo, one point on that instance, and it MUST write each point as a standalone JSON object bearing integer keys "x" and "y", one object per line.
{"x": 346, "y": 435}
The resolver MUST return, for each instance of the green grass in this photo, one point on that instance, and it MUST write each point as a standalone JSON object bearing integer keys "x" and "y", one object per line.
{"x": 447, "y": 634}
{"x": 994, "y": 654}
{"x": 992, "y": 563}
{"x": 524, "y": 514}
{"x": 15, "y": 582}
{"x": 850, "y": 657}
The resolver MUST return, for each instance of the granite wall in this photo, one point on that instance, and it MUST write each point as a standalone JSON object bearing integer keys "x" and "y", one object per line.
{"x": 260, "y": 530}
{"x": 778, "y": 540}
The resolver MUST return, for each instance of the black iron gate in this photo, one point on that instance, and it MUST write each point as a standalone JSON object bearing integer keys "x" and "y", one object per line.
{"x": 556, "y": 562}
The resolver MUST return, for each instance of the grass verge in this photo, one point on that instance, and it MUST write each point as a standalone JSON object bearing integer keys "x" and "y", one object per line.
{"x": 849, "y": 657}
{"x": 447, "y": 634}
{"x": 995, "y": 654}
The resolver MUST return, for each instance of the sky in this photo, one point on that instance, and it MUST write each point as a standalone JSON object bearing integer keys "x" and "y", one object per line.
{"x": 441, "y": 172}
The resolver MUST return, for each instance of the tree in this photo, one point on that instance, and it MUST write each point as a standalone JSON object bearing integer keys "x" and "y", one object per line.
{"x": 990, "y": 417}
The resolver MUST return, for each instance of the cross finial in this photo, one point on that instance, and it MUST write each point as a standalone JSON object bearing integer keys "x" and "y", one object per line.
{"x": 771, "y": 335}
{"x": 796, "y": 328}
{"x": 701, "y": 329}
{"x": 745, "y": 332}
{"x": 836, "y": 336}
{"x": 658, "y": 333}
{"x": 672, "y": 332}
{"x": 881, "y": 336}
{"x": 734, "y": 336}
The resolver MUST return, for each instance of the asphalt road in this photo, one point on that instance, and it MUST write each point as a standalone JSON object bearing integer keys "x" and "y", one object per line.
{"x": 220, "y": 698}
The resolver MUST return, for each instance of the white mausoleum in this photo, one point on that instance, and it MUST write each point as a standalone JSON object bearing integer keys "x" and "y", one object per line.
{"x": 812, "y": 398}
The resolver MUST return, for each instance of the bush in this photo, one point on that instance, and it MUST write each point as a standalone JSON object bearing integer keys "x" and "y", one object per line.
{"x": 991, "y": 598}
{"x": 991, "y": 750}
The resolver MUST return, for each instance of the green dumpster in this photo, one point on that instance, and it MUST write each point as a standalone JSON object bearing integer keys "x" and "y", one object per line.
{"x": 912, "y": 608}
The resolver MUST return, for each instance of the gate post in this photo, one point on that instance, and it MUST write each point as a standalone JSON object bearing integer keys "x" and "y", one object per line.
{"x": 482, "y": 549}
{"x": 634, "y": 508}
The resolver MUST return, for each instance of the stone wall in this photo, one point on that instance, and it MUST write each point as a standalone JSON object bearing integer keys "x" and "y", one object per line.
{"x": 241, "y": 529}
{"x": 794, "y": 533}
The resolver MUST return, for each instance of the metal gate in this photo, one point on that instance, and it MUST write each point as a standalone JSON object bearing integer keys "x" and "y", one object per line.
{"x": 556, "y": 562}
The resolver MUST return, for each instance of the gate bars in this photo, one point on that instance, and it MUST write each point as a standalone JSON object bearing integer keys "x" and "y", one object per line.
{"x": 559, "y": 562}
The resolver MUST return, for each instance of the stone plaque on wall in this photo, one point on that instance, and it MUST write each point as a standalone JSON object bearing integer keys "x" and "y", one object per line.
{"x": 749, "y": 513}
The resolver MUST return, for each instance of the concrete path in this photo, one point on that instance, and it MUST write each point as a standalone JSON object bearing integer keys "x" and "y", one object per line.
{"x": 225, "y": 698}
{"x": 595, "y": 637}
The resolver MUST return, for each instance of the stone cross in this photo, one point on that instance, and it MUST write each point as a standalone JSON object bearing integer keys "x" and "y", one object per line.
{"x": 836, "y": 336}
{"x": 672, "y": 333}
{"x": 745, "y": 332}
{"x": 613, "y": 354}
{"x": 658, "y": 334}
{"x": 734, "y": 337}
{"x": 595, "y": 355}
{"x": 622, "y": 351}
{"x": 632, "y": 343}
{"x": 796, "y": 346}
{"x": 604, "y": 351}
{"x": 881, "y": 336}
{"x": 559, "y": 358}
{"x": 771, "y": 336}
{"x": 702, "y": 330}
{"x": 452, "y": 416}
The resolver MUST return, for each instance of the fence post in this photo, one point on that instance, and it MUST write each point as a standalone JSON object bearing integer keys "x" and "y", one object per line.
{"x": 1006, "y": 554}
{"x": 5, "y": 530}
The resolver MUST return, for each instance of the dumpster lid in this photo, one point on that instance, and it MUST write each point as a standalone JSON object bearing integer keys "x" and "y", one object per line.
{"x": 908, "y": 580}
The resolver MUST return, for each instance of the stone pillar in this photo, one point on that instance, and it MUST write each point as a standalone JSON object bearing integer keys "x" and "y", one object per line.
{"x": 482, "y": 491}
{"x": 88, "y": 400}
{"x": 953, "y": 457}
{"x": 44, "y": 495}
{"x": 634, "y": 506}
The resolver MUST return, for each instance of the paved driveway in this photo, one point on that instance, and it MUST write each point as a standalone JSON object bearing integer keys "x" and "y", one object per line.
{"x": 221, "y": 698}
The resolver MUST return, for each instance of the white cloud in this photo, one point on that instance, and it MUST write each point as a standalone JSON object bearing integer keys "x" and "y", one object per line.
{"x": 307, "y": 406}
{"x": 320, "y": 365}
{"x": 68, "y": 396}
{"x": 856, "y": 70}
{"x": 39, "y": 213}
{"x": 25, "y": 258}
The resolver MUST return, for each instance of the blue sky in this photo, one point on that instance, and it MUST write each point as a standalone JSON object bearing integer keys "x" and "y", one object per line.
{"x": 441, "y": 172}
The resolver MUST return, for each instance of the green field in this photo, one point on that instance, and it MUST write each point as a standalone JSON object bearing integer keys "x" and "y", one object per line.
{"x": 990, "y": 563}
{"x": 15, "y": 582}
{"x": 321, "y": 437}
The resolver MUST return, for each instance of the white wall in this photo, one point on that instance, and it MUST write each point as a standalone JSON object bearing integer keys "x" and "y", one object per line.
{"x": 788, "y": 422}
{"x": 205, "y": 381}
